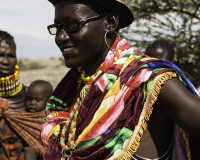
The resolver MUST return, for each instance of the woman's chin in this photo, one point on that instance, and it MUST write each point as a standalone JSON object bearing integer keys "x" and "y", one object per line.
{"x": 70, "y": 65}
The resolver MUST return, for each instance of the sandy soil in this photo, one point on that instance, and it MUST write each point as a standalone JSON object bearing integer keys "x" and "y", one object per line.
{"x": 53, "y": 71}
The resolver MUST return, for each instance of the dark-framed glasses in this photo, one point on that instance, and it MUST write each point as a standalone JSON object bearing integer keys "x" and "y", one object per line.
{"x": 71, "y": 26}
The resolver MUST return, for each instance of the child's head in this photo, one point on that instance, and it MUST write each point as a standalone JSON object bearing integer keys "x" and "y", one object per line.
{"x": 161, "y": 49}
{"x": 38, "y": 94}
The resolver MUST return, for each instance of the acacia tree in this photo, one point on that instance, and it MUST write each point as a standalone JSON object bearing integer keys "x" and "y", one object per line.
{"x": 177, "y": 21}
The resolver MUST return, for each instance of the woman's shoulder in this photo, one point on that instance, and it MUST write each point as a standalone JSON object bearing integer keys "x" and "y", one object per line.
{"x": 180, "y": 104}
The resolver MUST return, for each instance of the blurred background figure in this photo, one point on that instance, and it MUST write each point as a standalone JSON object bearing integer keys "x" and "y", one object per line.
{"x": 164, "y": 50}
{"x": 161, "y": 49}
{"x": 39, "y": 91}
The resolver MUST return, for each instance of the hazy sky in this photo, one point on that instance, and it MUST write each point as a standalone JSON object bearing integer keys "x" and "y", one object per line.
{"x": 26, "y": 20}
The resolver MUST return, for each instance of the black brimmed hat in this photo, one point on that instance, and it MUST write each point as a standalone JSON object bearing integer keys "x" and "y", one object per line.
{"x": 116, "y": 6}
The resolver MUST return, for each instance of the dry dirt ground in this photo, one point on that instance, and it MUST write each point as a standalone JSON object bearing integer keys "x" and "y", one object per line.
{"x": 53, "y": 71}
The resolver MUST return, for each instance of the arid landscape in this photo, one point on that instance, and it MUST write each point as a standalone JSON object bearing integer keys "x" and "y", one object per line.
{"x": 50, "y": 69}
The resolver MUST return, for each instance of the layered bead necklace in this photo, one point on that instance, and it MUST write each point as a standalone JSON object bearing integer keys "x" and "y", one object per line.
{"x": 72, "y": 120}
{"x": 10, "y": 85}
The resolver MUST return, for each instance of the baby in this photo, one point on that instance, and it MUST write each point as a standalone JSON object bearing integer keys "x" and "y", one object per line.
{"x": 37, "y": 96}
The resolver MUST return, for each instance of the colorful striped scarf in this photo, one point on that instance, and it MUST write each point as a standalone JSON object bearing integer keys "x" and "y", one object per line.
{"x": 110, "y": 112}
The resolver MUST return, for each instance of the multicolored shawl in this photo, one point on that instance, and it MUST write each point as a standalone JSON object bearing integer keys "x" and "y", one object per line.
{"x": 24, "y": 128}
{"x": 105, "y": 119}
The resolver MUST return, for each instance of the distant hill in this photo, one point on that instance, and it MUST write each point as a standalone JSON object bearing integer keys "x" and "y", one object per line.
{"x": 50, "y": 69}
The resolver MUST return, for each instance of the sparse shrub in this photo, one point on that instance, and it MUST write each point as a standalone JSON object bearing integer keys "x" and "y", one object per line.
{"x": 21, "y": 64}
{"x": 61, "y": 59}
{"x": 35, "y": 65}
{"x": 29, "y": 66}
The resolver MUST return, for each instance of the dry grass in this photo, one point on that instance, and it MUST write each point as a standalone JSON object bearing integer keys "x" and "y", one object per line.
{"x": 50, "y": 69}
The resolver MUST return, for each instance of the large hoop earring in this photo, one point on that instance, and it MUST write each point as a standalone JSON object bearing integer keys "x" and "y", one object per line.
{"x": 106, "y": 35}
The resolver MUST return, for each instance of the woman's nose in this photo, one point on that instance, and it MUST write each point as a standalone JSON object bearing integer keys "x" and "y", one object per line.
{"x": 4, "y": 60}
{"x": 62, "y": 36}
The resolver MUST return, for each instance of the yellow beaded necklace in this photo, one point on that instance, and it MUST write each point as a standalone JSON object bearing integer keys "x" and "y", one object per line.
{"x": 83, "y": 77}
{"x": 10, "y": 85}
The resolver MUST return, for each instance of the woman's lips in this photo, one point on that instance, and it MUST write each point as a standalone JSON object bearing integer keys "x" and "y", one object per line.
{"x": 4, "y": 70}
{"x": 68, "y": 49}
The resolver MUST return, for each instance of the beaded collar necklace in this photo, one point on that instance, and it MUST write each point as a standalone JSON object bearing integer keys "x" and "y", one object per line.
{"x": 10, "y": 85}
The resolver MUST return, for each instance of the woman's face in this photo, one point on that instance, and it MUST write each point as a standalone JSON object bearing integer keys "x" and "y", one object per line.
{"x": 84, "y": 47}
{"x": 8, "y": 58}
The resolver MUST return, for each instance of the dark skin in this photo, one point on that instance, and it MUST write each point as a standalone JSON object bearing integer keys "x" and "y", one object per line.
{"x": 8, "y": 60}
{"x": 87, "y": 51}
{"x": 175, "y": 103}
{"x": 37, "y": 97}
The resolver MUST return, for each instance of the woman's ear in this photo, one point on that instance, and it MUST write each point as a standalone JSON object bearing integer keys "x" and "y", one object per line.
{"x": 112, "y": 22}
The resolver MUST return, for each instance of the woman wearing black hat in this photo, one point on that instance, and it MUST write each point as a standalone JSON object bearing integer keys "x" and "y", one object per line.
{"x": 114, "y": 103}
